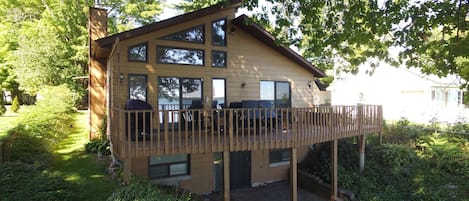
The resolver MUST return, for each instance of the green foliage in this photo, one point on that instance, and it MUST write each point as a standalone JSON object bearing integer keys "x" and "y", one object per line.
{"x": 131, "y": 14}
{"x": 421, "y": 165}
{"x": 27, "y": 182}
{"x": 190, "y": 5}
{"x": 27, "y": 147}
{"x": 393, "y": 155}
{"x": 145, "y": 191}
{"x": 96, "y": 145}
{"x": 15, "y": 105}
{"x": 3, "y": 109}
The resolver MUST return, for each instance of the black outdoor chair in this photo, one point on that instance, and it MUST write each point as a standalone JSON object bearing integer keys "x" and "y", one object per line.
{"x": 141, "y": 128}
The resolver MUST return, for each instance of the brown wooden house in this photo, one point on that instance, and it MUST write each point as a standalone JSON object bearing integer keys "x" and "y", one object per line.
{"x": 208, "y": 101}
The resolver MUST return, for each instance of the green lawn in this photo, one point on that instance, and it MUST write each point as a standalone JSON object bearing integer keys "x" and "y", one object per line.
{"x": 8, "y": 120}
{"x": 86, "y": 173}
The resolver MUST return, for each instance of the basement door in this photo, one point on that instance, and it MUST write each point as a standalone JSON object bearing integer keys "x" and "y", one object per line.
{"x": 240, "y": 169}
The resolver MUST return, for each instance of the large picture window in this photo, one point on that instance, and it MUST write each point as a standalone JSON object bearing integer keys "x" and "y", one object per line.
{"x": 278, "y": 91}
{"x": 168, "y": 166}
{"x": 219, "y": 32}
{"x": 138, "y": 52}
{"x": 192, "y": 35}
{"x": 174, "y": 55}
{"x": 138, "y": 87}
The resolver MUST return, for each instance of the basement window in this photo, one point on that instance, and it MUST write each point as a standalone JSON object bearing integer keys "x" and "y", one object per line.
{"x": 278, "y": 156}
{"x": 168, "y": 166}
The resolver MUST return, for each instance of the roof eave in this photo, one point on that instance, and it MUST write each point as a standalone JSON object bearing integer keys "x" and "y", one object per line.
{"x": 108, "y": 41}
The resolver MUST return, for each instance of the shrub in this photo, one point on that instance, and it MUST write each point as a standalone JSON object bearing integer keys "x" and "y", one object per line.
{"x": 3, "y": 109}
{"x": 21, "y": 145}
{"x": 51, "y": 116}
{"x": 96, "y": 145}
{"x": 27, "y": 182}
{"x": 393, "y": 155}
{"x": 15, "y": 105}
{"x": 145, "y": 191}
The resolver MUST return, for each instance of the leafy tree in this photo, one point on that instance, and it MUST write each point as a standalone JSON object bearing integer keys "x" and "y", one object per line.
{"x": 430, "y": 35}
{"x": 125, "y": 15}
{"x": 15, "y": 104}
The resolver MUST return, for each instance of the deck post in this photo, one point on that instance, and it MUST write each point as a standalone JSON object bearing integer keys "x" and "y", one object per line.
{"x": 334, "y": 151}
{"x": 127, "y": 166}
{"x": 294, "y": 174}
{"x": 361, "y": 149}
{"x": 226, "y": 176}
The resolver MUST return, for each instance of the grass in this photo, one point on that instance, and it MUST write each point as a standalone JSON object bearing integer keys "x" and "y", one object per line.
{"x": 8, "y": 120}
{"x": 83, "y": 170}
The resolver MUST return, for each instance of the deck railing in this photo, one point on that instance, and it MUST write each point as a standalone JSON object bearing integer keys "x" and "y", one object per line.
{"x": 162, "y": 132}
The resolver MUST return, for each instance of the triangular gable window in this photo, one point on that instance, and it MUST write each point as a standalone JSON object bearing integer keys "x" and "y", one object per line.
{"x": 192, "y": 35}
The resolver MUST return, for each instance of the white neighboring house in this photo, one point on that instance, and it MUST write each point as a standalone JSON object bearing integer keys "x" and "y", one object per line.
{"x": 404, "y": 93}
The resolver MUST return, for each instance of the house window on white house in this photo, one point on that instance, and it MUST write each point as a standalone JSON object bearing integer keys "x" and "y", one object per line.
{"x": 138, "y": 87}
{"x": 191, "y": 35}
{"x": 279, "y": 156}
{"x": 168, "y": 166}
{"x": 219, "y": 32}
{"x": 175, "y": 55}
{"x": 138, "y": 52}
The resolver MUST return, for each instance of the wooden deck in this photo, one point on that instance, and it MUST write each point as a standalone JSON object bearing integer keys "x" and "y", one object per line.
{"x": 173, "y": 131}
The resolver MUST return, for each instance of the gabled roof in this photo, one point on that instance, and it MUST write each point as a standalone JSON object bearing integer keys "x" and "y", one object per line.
{"x": 108, "y": 41}
{"x": 264, "y": 36}
{"x": 241, "y": 22}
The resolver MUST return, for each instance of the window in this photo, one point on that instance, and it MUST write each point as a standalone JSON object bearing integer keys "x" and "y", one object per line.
{"x": 138, "y": 52}
{"x": 279, "y": 155}
{"x": 219, "y": 32}
{"x": 168, "y": 166}
{"x": 173, "y": 55}
{"x": 218, "y": 90}
{"x": 277, "y": 91}
{"x": 218, "y": 58}
{"x": 192, "y": 35}
{"x": 138, "y": 87}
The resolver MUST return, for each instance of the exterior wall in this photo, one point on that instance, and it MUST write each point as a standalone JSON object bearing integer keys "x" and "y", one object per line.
{"x": 201, "y": 174}
{"x": 201, "y": 178}
{"x": 248, "y": 62}
{"x": 199, "y": 181}
{"x": 263, "y": 172}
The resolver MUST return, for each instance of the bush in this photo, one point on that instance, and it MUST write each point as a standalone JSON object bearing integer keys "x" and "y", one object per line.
{"x": 51, "y": 116}
{"x": 27, "y": 182}
{"x": 145, "y": 191}
{"x": 22, "y": 145}
{"x": 15, "y": 105}
{"x": 3, "y": 109}
{"x": 393, "y": 155}
{"x": 96, "y": 145}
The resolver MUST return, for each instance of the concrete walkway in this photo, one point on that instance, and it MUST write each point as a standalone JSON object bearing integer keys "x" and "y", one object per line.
{"x": 278, "y": 191}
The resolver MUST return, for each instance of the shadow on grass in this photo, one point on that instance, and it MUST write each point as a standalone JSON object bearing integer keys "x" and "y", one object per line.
{"x": 83, "y": 170}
